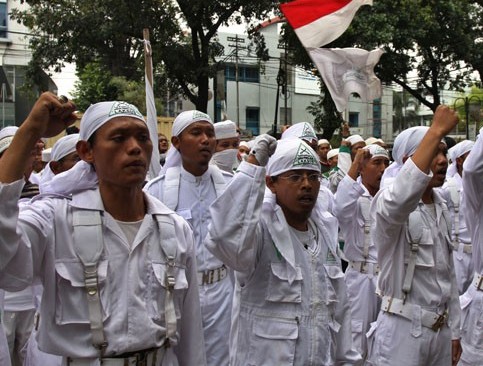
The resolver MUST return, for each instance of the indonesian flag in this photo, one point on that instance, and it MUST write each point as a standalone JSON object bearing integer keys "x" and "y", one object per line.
{"x": 346, "y": 71}
{"x": 319, "y": 22}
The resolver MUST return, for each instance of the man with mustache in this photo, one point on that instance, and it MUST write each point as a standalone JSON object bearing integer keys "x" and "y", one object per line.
{"x": 290, "y": 305}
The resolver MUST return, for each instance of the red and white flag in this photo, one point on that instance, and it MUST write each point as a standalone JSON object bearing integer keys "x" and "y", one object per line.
{"x": 319, "y": 22}
{"x": 346, "y": 71}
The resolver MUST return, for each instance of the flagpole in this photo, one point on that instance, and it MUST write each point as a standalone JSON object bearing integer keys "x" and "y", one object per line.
{"x": 151, "y": 116}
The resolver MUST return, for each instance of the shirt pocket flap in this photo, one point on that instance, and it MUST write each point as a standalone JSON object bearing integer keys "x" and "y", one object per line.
{"x": 333, "y": 271}
{"x": 276, "y": 330}
{"x": 281, "y": 270}
{"x": 73, "y": 271}
{"x": 160, "y": 270}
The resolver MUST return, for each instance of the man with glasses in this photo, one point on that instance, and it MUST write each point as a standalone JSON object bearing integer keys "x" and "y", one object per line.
{"x": 290, "y": 305}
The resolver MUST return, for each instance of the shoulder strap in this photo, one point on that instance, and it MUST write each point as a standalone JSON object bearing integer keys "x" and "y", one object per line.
{"x": 414, "y": 238}
{"x": 169, "y": 246}
{"x": 455, "y": 199}
{"x": 88, "y": 245}
{"x": 171, "y": 187}
{"x": 365, "y": 205}
{"x": 218, "y": 180}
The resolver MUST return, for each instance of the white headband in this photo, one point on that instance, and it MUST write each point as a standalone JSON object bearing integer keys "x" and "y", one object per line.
{"x": 460, "y": 149}
{"x": 332, "y": 153}
{"x": 6, "y": 137}
{"x": 324, "y": 141}
{"x": 301, "y": 130}
{"x": 225, "y": 130}
{"x": 354, "y": 139}
{"x": 64, "y": 146}
{"x": 187, "y": 118}
{"x": 377, "y": 151}
{"x": 292, "y": 154}
{"x": 99, "y": 114}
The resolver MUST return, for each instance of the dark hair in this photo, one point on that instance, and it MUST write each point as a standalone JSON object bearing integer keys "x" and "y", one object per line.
{"x": 71, "y": 130}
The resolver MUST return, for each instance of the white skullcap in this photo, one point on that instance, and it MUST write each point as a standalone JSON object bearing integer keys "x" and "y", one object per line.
{"x": 292, "y": 154}
{"x": 407, "y": 142}
{"x": 324, "y": 141}
{"x": 244, "y": 143}
{"x": 181, "y": 122}
{"x": 225, "y": 130}
{"x": 49, "y": 182}
{"x": 99, "y": 114}
{"x": 82, "y": 176}
{"x": 187, "y": 118}
{"x": 374, "y": 140}
{"x": 377, "y": 151}
{"x": 64, "y": 146}
{"x": 6, "y": 137}
{"x": 332, "y": 153}
{"x": 301, "y": 130}
{"x": 46, "y": 155}
{"x": 460, "y": 149}
{"x": 354, "y": 139}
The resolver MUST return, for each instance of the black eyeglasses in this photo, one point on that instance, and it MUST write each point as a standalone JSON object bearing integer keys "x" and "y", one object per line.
{"x": 297, "y": 178}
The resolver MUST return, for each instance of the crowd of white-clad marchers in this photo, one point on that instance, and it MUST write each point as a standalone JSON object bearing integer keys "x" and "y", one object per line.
{"x": 243, "y": 253}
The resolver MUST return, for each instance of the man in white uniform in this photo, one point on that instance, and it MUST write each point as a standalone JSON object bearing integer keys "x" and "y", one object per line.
{"x": 118, "y": 267}
{"x": 452, "y": 191}
{"x": 472, "y": 328}
{"x": 290, "y": 305}
{"x": 420, "y": 315}
{"x": 227, "y": 143}
{"x": 188, "y": 184}
{"x": 352, "y": 209}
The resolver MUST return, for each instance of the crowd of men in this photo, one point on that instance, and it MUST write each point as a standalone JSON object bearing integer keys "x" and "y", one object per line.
{"x": 260, "y": 252}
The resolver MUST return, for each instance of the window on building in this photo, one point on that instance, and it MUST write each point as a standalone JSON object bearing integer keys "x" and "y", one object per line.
{"x": 249, "y": 74}
{"x": 252, "y": 115}
{"x": 354, "y": 119}
{"x": 3, "y": 19}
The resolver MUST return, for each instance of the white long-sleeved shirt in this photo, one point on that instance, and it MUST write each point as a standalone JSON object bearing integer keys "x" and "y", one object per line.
{"x": 195, "y": 195}
{"x": 457, "y": 184}
{"x": 398, "y": 213}
{"x": 39, "y": 240}
{"x": 352, "y": 209}
{"x": 290, "y": 302}
{"x": 473, "y": 200}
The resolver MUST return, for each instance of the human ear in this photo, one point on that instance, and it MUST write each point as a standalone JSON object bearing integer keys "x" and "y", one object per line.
{"x": 270, "y": 184}
{"x": 84, "y": 149}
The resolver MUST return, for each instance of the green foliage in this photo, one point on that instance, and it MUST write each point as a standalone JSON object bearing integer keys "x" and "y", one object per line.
{"x": 183, "y": 37}
{"x": 326, "y": 116}
{"x": 428, "y": 44}
{"x": 97, "y": 84}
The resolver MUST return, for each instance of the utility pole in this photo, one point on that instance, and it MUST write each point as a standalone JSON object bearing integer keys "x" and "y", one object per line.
{"x": 237, "y": 40}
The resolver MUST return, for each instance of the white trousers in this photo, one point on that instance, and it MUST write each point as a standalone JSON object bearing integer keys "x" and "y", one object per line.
{"x": 18, "y": 325}
{"x": 393, "y": 341}
{"x": 472, "y": 332}
{"x": 4, "y": 353}
{"x": 35, "y": 357}
{"x": 365, "y": 305}
{"x": 216, "y": 302}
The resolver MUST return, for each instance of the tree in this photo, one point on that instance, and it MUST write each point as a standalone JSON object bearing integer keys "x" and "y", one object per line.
{"x": 183, "y": 36}
{"x": 428, "y": 44}
{"x": 97, "y": 84}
